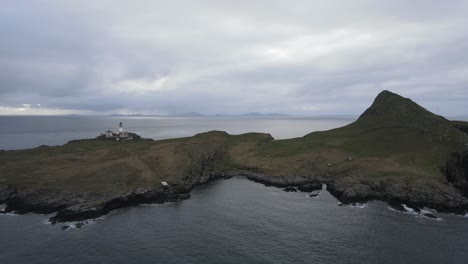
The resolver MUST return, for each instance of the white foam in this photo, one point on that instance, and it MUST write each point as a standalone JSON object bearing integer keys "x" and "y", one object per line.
{"x": 358, "y": 205}
{"x": 150, "y": 205}
{"x": 77, "y": 224}
{"x": 99, "y": 218}
{"x": 421, "y": 213}
{"x": 409, "y": 209}
{"x": 426, "y": 210}
{"x": 74, "y": 224}
{"x": 9, "y": 214}
{"x": 158, "y": 204}
{"x": 353, "y": 205}
{"x": 427, "y": 217}
{"x": 69, "y": 227}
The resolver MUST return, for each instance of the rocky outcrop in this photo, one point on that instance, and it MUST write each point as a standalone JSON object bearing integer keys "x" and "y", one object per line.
{"x": 456, "y": 171}
{"x": 40, "y": 200}
{"x": 305, "y": 184}
{"x": 88, "y": 210}
{"x": 5, "y": 193}
{"x": 203, "y": 169}
{"x": 74, "y": 206}
{"x": 309, "y": 187}
{"x": 441, "y": 197}
{"x": 290, "y": 189}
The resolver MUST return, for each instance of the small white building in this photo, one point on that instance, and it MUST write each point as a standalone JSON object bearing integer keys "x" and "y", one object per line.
{"x": 109, "y": 134}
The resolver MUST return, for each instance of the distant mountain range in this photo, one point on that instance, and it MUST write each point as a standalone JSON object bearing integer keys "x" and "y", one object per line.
{"x": 195, "y": 114}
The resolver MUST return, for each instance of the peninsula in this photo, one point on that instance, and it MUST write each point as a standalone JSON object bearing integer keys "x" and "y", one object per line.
{"x": 396, "y": 151}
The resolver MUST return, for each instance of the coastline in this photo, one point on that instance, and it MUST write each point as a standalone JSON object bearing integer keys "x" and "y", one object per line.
{"x": 22, "y": 204}
{"x": 396, "y": 152}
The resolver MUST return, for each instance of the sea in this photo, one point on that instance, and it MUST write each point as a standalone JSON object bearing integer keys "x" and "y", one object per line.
{"x": 225, "y": 221}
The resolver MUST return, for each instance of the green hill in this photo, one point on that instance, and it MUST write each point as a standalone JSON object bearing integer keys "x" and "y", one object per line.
{"x": 393, "y": 130}
{"x": 396, "y": 150}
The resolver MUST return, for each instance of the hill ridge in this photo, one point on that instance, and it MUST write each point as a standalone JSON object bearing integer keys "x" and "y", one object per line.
{"x": 393, "y": 108}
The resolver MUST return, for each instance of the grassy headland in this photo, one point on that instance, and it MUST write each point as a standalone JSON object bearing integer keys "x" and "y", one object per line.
{"x": 395, "y": 151}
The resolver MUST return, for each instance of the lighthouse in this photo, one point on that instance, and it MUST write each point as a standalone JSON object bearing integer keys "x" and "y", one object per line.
{"x": 121, "y": 135}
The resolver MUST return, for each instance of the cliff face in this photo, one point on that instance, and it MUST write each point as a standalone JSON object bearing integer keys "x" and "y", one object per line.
{"x": 456, "y": 171}
{"x": 396, "y": 151}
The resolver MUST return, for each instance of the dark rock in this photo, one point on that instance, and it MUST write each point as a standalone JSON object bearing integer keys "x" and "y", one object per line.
{"x": 432, "y": 194}
{"x": 305, "y": 184}
{"x": 349, "y": 192}
{"x": 456, "y": 171}
{"x": 314, "y": 194}
{"x": 290, "y": 189}
{"x": 5, "y": 193}
{"x": 310, "y": 187}
{"x": 39, "y": 200}
{"x": 397, "y": 206}
{"x": 184, "y": 196}
{"x": 430, "y": 215}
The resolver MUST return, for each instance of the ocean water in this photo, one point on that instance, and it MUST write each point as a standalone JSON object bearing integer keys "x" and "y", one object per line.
{"x": 20, "y": 132}
{"x": 239, "y": 221}
{"x": 229, "y": 221}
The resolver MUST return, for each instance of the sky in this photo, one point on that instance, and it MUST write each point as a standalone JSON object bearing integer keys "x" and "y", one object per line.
{"x": 230, "y": 57}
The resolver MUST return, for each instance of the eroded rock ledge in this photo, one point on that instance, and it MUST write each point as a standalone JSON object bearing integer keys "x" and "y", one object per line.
{"x": 73, "y": 206}
{"x": 445, "y": 200}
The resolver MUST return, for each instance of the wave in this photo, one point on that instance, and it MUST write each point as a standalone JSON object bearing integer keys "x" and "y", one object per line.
{"x": 427, "y": 213}
{"x": 353, "y": 205}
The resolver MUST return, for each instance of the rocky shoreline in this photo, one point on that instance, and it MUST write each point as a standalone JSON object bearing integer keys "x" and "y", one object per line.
{"x": 448, "y": 201}
{"x": 72, "y": 206}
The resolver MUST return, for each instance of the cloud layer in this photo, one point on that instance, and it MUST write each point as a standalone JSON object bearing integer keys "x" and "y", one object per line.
{"x": 230, "y": 57}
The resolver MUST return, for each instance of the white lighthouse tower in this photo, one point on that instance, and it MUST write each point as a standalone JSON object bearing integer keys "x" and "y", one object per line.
{"x": 120, "y": 129}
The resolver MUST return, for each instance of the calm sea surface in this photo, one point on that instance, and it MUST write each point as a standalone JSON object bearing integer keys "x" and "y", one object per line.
{"x": 19, "y": 132}
{"x": 227, "y": 221}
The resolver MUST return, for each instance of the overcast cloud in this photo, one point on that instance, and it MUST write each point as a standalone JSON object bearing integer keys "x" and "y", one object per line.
{"x": 230, "y": 57}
